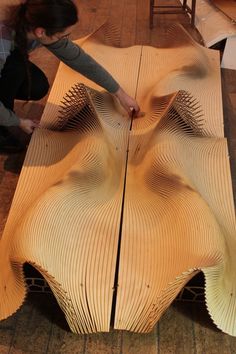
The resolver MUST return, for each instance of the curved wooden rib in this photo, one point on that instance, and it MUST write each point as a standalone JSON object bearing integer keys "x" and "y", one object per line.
{"x": 162, "y": 192}
{"x": 108, "y": 34}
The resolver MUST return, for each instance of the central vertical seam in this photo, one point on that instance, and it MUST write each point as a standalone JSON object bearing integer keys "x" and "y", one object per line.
{"x": 115, "y": 286}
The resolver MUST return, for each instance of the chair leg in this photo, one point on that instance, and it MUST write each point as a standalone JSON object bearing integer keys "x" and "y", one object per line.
{"x": 193, "y": 13}
{"x": 184, "y": 4}
{"x": 151, "y": 14}
{"x": 185, "y": 7}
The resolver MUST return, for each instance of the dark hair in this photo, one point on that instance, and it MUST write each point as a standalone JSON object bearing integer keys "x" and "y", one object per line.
{"x": 52, "y": 15}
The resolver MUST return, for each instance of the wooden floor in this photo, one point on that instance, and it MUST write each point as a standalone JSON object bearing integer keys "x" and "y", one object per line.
{"x": 39, "y": 326}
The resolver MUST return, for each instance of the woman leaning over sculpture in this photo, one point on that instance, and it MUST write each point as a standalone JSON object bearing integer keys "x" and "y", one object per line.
{"x": 47, "y": 23}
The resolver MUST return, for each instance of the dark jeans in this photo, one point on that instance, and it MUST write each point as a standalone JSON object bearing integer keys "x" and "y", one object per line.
{"x": 15, "y": 83}
{"x": 23, "y": 81}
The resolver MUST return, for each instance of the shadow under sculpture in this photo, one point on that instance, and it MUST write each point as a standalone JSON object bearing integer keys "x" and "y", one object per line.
{"x": 119, "y": 218}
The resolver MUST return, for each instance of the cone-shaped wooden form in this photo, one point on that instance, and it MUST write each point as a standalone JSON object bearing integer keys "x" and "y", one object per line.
{"x": 118, "y": 216}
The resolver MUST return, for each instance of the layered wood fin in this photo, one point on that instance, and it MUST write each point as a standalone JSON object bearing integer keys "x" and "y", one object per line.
{"x": 176, "y": 36}
{"x": 108, "y": 34}
{"x": 184, "y": 112}
{"x": 77, "y": 111}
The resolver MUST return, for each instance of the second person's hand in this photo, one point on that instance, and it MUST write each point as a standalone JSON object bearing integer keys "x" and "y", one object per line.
{"x": 28, "y": 125}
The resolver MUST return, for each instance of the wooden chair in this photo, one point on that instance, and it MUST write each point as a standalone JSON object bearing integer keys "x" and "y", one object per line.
{"x": 172, "y": 9}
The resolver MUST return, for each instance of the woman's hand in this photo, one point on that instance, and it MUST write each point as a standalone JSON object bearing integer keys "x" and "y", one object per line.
{"x": 28, "y": 125}
{"x": 128, "y": 103}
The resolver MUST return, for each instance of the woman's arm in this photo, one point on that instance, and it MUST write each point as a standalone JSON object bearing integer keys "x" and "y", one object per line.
{"x": 76, "y": 58}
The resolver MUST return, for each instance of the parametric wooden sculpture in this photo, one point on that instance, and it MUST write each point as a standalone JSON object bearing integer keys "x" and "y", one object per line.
{"x": 118, "y": 216}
